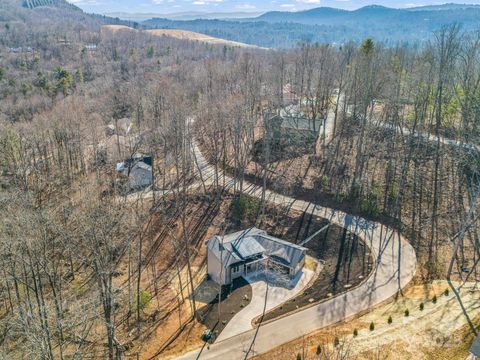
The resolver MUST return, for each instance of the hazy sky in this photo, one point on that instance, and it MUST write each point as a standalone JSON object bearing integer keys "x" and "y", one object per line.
{"x": 172, "y": 6}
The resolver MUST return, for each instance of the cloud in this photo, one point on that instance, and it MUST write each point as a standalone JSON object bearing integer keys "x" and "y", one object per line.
{"x": 245, "y": 6}
{"x": 207, "y": 2}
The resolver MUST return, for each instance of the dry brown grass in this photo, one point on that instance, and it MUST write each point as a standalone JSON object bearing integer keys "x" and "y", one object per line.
{"x": 438, "y": 332}
{"x": 178, "y": 34}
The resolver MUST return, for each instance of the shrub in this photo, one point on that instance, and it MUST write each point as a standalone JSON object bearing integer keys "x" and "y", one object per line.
{"x": 245, "y": 207}
{"x": 390, "y": 320}
{"x": 446, "y": 292}
{"x": 144, "y": 301}
{"x": 321, "y": 182}
{"x": 422, "y": 306}
{"x": 355, "y": 332}
{"x": 150, "y": 52}
{"x": 407, "y": 313}
{"x": 372, "y": 326}
{"x": 434, "y": 299}
{"x": 319, "y": 350}
{"x": 370, "y": 202}
{"x": 393, "y": 194}
{"x": 299, "y": 357}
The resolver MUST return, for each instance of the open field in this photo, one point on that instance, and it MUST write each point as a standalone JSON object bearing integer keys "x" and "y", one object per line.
{"x": 179, "y": 34}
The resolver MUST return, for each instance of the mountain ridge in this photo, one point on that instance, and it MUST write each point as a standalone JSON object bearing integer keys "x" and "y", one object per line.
{"x": 327, "y": 15}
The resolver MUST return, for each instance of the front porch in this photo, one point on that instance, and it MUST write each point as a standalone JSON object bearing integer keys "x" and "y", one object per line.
{"x": 248, "y": 267}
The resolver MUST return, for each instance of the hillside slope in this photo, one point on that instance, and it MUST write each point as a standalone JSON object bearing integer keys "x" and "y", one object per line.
{"x": 178, "y": 34}
{"x": 30, "y": 16}
{"x": 31, "y": 4}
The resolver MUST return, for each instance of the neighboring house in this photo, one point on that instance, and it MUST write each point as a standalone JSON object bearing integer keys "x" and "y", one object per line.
{"x": 475, "y": 349}
{"x": 302, "y": 124}
{"x": 247, "y": 251}
{"x": 275, "y": 124}
{"x": 138, "y": 170}
{"x": 289, "y": 96}
{"x": 291, "y": 128}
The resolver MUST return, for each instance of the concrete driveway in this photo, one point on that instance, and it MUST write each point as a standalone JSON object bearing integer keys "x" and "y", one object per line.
{"x": 395, "y": 268}
{"x": 279, "y": 290}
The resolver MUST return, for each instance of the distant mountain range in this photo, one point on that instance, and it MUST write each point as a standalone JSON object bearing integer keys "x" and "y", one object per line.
{"x": 277, "y": 16}
{"x": 183, "y": 15}
{"x": 377, "y": 13}
{"x": 324, "y": 24}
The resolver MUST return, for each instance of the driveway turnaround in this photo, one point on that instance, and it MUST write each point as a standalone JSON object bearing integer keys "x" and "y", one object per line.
{"x": 264, "y": 299}
{"x": 394, "y": 268}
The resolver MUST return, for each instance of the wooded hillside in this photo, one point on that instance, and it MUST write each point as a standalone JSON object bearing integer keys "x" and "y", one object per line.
{"x": 91, "y": 268}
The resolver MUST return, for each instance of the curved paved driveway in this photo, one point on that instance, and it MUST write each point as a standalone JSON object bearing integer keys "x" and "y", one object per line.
{"x": 395, "y": 267}
{"x": 330, "y": 119}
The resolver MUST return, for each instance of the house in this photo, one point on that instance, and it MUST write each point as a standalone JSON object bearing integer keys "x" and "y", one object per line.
{"x": 243, "y": 252}
{"x": 289, "y": 134}
{"x": 138, "y": 170}
{"x": 291, "y": 119}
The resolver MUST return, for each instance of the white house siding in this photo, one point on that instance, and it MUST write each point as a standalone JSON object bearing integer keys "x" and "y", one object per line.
{"x": 214, "y": 269}
{"x": 236, "y": 274}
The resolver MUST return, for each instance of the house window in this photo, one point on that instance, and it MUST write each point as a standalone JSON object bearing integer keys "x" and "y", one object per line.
{"x": 235, "y": 268}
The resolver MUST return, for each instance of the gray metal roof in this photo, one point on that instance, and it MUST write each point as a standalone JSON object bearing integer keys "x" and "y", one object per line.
{"x": 282, "y": 251}
{"x": 475, "y": 348}
{"x": 142, "y": 165}
{"x": 241, "y": 245}
{"x": 297, "y": 123}
{"x": 248, "y": 247}
{"x": 223, "y": 246}
{"x": 223, "y": 252}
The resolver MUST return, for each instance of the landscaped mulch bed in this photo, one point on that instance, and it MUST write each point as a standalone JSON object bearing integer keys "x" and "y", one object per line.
{"x": 234, "y": 299}
{"x": 347, "y": 263}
